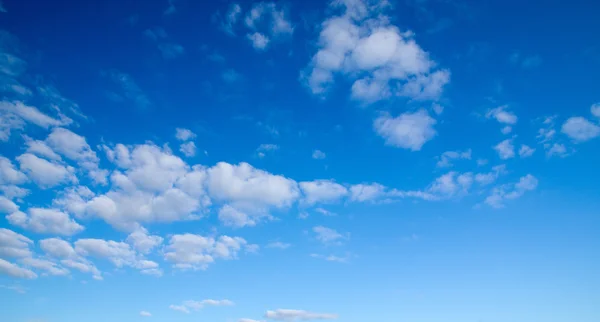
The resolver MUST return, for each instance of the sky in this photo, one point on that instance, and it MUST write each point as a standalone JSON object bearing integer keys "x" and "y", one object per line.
{"x": 345, "y": 160}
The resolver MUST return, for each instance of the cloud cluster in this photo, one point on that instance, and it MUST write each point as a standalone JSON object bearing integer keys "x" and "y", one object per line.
{"x": 382, "y": 61}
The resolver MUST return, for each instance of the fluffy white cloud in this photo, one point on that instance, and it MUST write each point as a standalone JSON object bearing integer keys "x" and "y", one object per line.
{"x": 526, "y": 151}
{"x": 489, "y": 177}
{"x": 232, "y": 217}
{"x": 184, "y": 134}
{"x": 451, "y": 184}
{"x": 9, "y": 174}
{"x": 41, "y": 148}
{"x": 445, "y": 160}
{"x": 16, "y": 271}
{"x": 557, "y": 149}
{"x": 500, "y": 194}
{"x": 46, "y": 174}
{"x": 407, "y": 131}
{"x": 118, "y": 253}
{"x": 189, "y": 251}
{"x": 142, "y": 241}
{"x": 505, "y": 149}
{"x": 57, "y": 247}
{"x": 258, "y": 40}
{"x": 322, "y": 191}
{"x": 47, "y": 221}
{"x": 580, "y": 129}
{"x": 502, "y": 115}
{"x": 13, "y": 244}
{"x": 45, "y": 265}
{"x": 7, "y": 206}
{"x": 381, "y": 60}
{"x": 243, "y": 184}
{"x": 188, "y": 149}
{"x": 14, "y": 114}
{"x": 298, "y": 315}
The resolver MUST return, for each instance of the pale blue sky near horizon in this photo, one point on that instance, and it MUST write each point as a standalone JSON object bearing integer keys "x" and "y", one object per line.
{"x": 346, "y": 160}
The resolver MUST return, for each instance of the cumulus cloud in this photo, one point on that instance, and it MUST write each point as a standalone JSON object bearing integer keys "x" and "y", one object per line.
{"x": 298, "y": 315}
{"x": 142, "y": 241}
{"x": 322, "y": 191}
{"x": 13, "y": 244}
{"x": 595, "y": 109}
{"x": 526, "y": 151}
{"x": 47, "y": 266}
{"x": 14, "y": 116}
{"x": 366, "y": 192}
{"x": 502, "y": 115}
{"x": 46, "y": 221}
{"x": 407, "y": 131}
{"x": 580, "y": 129}
{"x": 46, "y": 174}
{"x": 14, "y": 270}
{"x": 188, "y": 149}
{"x": 380, "y": 59}
{"x": 183, "y": 134}
{"x": 505, "y": 149}
{"x": 9, "y": 175}
{"x": 189, "y": 251}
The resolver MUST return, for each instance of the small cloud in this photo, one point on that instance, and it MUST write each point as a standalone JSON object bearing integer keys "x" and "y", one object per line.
{"x": 505, "y": 149}
{"x": 145, "y": 313}
{"x": 183, "y": 134}
{"x": 526, "y": 151}
{"x": 580, "y": 129}
{"x": 278, "y": 245}
{"x": 231, "y": 76}
{"x": 318, "y": 155}
{"x": 258, "y": 40}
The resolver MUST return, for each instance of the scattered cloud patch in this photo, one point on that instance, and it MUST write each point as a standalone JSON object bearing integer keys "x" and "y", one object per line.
{"x": 505, "y": 149}
{"x": 298, "y": 315}
{"x": 445, "y": 160}
{"x": 318, "y": 155}
{"x": 408, "y": 130}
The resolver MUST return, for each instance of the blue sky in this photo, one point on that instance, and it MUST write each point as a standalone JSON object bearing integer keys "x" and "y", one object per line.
{"x": 352, "y": 160}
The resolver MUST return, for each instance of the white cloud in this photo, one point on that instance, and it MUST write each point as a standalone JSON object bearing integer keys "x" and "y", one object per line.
{"x": 366, "y": 192}
{"x": 243, "y": 184}
{"x": 7, "y": 206}
{"x": 145, "y": 313}
{"x": 40, "y": 148}
{"x": 526, "y": 151}
{"x": 331, "y": 258}
{"x": 188, "y": 149}
{"x": 258, "y": 40}
{"x": 450, "y": 185}
{"x": 184, "y": 134}
{"x": 505, "y": 149}
{"x": 180, "y": 308}
{"x": 502, "y": 115}
{"x": 46, "y": 174}
{"x": 9, "y": 174}
{"x": 13, "y": 244}
{"x": 489, "y": 177}
{"x": 318, "y": 155}
{"x": 57, "y": 247}
{"x": 445, "y": 160}
{"x": 229, "y": 216}
{"x": 142, "y": 241}
{"x": 189, "y": 251}
{"x": 500, "y": 194}
{"x": 16, "y": 271}
{"x": 328, "y": 235}
{"x": 31, "y": 114}
{"x": 580, "y": 129}
{"x": 322, "y": 191}
{"x": 46, "y": 221}
{"x": 296, "y": 315}
{"x": 408, "y": 130}
{"x": 118, "y": 253}
{"x": 379, "y": 59}
{"x": 506, "y": 130}
{"x": 557, "y": 149}
{"x": 45, "y": 265}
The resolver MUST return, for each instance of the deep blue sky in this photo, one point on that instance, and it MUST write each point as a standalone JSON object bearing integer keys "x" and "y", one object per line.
{"x": 354, "y": 160}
